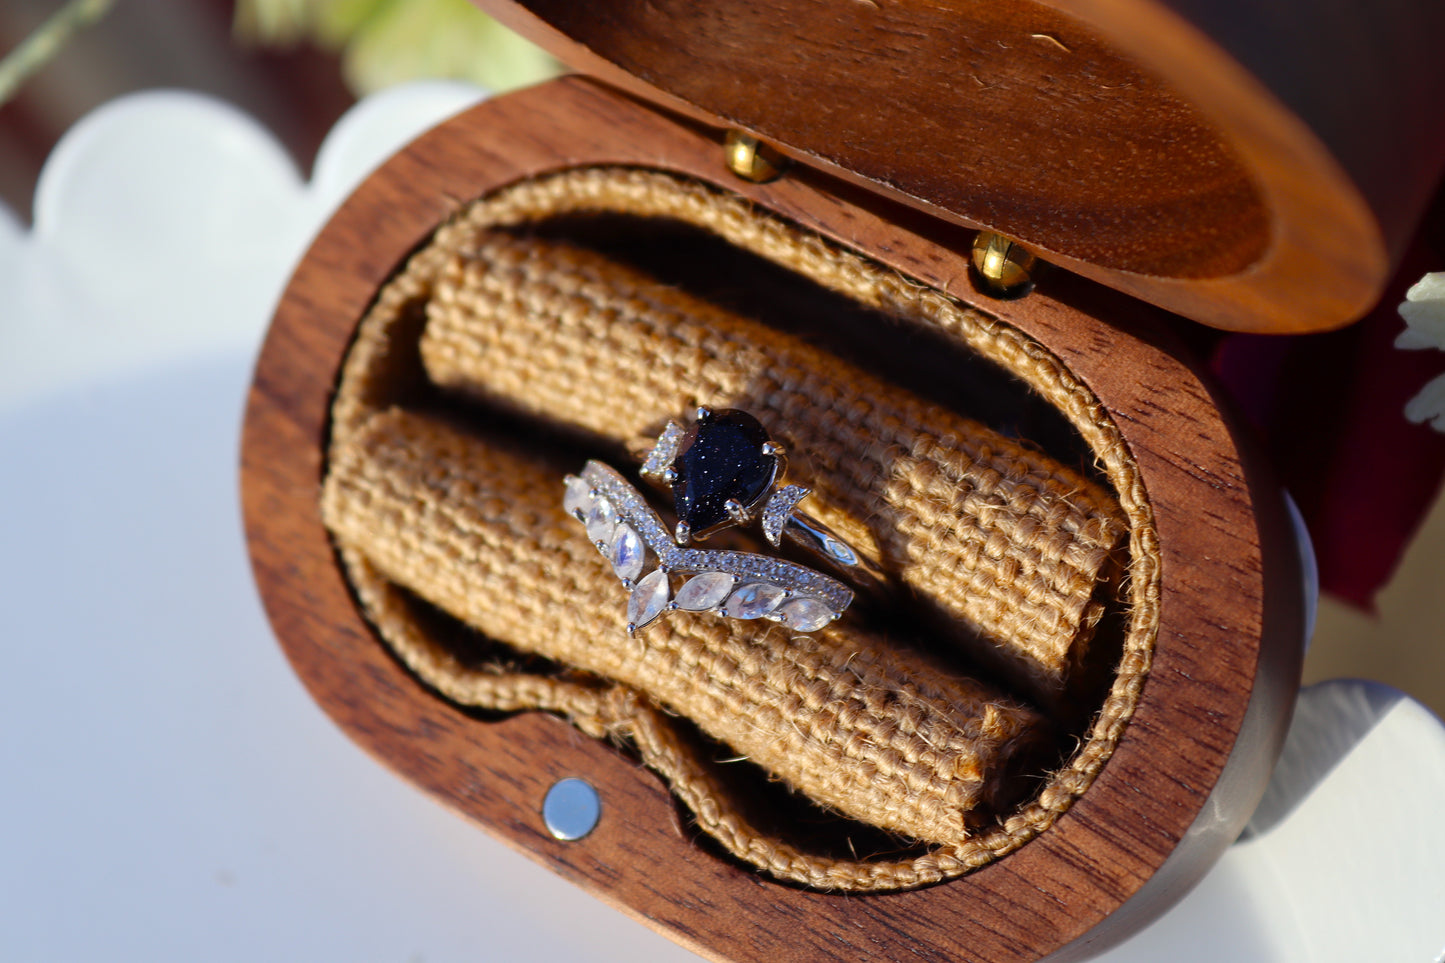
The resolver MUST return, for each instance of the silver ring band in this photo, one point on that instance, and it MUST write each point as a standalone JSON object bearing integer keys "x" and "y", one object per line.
{"x": 737, "y": 585}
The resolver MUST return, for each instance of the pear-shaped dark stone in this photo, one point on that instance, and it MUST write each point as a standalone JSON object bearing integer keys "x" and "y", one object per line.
{"x": 720, "y": 457}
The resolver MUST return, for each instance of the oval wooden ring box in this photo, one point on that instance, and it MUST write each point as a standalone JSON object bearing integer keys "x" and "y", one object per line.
{"x": 1230, "y": 583}
{"x": 1177, "y": 790}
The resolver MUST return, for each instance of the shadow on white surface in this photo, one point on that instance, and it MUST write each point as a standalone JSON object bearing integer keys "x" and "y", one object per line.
{"x": 180, "y": 797}
{"x": 166, "y": 224}
{"x": 172, "y": 793}
{"x": 1330, "y": 721}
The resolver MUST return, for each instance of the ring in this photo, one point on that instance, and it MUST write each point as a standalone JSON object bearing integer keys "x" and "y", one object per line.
{"x": 725, "y": 470}
{"x": 737, "y": 585}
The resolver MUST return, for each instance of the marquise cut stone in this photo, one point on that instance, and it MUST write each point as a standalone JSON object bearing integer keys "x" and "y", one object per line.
{"x": 648, "y": 600}
{"x": 753, "y": 601}
{"x": 627, "y": 552}
{"x": 578, "y": 498}
{"x": 601, "y": 520}
{"x": 804, "y": 614}
{"x": 721, "y": 458}
{"x": 705, "y": 591}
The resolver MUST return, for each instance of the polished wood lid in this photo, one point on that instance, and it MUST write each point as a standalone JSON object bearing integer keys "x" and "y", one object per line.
{"x": 1257, "y": 174}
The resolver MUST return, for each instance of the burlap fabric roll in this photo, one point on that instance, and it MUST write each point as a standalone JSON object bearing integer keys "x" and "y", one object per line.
{"x": 876, "y": 731}
{"x": 864, "y": 724}
{"x": 993, "y": 534}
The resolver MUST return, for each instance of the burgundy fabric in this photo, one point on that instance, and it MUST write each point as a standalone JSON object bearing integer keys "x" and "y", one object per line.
{"x": 1331, "y": 410}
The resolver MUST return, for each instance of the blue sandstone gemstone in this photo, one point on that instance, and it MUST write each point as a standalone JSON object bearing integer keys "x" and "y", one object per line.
{"x": 721, "y": 458}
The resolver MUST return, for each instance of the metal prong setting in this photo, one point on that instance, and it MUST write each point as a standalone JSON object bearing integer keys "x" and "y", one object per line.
{"x": 683, "y": 533}
{"x": 773, "y": 448}
{"x": 669, "y": 475}
{"x": 703, "y": 413}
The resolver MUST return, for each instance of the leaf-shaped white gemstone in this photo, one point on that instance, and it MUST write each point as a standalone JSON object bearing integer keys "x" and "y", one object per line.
{"x": 627, "y": 552}
{"x": 601, "y": 520}
{"x": 753, "y": 601}
{"x": 705, "y": 591}
{"x": 805, "y": 615}
{"x": 578, "y": 499}
{"x": 648, "y": 600}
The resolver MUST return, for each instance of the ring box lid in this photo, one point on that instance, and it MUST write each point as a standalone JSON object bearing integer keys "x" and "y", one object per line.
{"x": 1254, "y": 167}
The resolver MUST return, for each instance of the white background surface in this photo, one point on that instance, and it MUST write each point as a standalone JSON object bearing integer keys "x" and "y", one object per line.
{"x": 171, "y": 793}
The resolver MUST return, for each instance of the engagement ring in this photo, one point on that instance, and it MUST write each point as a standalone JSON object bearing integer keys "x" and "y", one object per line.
{"x": 736, "y": 585}
{"x": 725, "y": 470}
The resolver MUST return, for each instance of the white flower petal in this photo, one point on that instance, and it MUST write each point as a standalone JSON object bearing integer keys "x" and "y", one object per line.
{"x": 1424, "y": 314}
{"x": 171, "y": 178}
{"x": 1429, "y": 404}
{"x": 1413, "y": 339}
{"x": 1425, "y": 322}
{"x": 1431, "y": 287}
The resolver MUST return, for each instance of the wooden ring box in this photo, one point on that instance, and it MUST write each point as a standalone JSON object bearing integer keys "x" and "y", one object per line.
{"x": 1175, "y": 154}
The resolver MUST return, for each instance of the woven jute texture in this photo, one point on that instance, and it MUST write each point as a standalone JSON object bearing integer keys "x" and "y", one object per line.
{"x": 874, "y": 731}
{"x": 996, "y": 536}
{"x": 416, "y": 482}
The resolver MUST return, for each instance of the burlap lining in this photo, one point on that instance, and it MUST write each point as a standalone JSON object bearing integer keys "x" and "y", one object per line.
{"x": 945, "y": 780}
{"x": 992, "y": 534}
{"x": 875, "y": 731}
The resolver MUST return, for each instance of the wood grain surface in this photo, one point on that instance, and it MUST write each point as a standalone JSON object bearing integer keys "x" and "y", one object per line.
{"x": 1189, "y": 767}
{"x": 1259, "y": 176}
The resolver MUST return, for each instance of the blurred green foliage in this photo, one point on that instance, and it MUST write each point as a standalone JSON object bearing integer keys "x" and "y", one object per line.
{"x": 385, "y": 42}
{"x": 38, "y": 49}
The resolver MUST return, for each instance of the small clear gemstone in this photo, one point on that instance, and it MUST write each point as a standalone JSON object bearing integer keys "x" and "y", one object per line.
{"x": 779, "y": 509}
{"x": 627, "y": 553}
{"x": 754, "y": 601}
{"x": 664, "y": 451}
{"x": 649, "y": 599}
{"x": 578, "y": 498}
{"x": 705, "y": 591}
{"x": 601, "y": 520}
{"x": 804, "y": 614}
